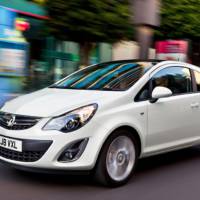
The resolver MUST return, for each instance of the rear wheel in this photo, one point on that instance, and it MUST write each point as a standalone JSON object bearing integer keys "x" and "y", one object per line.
{"x": 117, "y": 159}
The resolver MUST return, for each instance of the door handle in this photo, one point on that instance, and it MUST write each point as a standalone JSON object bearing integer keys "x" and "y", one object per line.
{"x": 194, "y": 105}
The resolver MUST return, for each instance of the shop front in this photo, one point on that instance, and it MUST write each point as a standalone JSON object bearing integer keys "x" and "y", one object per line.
{"x": 20, "y": 42}
{"x": 36, "y": 58}
{"x": 13, "y": 55}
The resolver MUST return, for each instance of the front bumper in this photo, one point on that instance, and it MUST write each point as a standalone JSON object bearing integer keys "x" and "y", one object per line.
{"x": 51, "y": 145}
{"x": 33, "y": 150}
{"x": 45, "y": 170}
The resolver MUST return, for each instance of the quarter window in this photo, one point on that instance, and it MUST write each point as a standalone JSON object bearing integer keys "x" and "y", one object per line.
{"x": 143, "y": 94}
{"x": 177, "y": 79}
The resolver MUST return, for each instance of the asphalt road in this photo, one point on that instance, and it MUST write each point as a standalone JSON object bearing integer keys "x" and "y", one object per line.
{"x": 172, "y": 176}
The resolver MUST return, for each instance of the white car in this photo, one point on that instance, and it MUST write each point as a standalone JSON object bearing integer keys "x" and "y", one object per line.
{"x": 103, "y": 118}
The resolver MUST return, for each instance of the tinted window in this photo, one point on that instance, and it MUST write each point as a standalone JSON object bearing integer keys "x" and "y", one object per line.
{"x": 197, "y": 77}
{"x": 177, "y": 79}
{"x": 107, "y": 76}
{"x": 144, "y": 94}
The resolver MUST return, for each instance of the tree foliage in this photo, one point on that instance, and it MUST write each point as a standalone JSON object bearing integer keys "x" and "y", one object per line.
{"x": 89, "y": 20}
{"x": 180, "y": 19}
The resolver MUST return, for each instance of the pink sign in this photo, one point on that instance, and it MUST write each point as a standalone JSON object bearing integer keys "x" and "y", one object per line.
{"x": 172, "y": 50}
{"x": 172, "y": 46}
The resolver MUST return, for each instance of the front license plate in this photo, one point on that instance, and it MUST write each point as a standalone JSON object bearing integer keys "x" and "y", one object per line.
{"x": 12, "y": 144}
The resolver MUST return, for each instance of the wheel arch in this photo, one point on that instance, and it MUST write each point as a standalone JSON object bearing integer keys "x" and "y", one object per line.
{"x": 135, "y": 134}
{"x": 132, "y": 130}
{"x": 97, "y": 170}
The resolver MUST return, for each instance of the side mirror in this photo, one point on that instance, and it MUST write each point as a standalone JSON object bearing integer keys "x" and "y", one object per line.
{"x": 160, "y": 92}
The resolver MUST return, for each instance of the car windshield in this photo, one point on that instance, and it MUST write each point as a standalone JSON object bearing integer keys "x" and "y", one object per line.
{"x": 112, "y": 76}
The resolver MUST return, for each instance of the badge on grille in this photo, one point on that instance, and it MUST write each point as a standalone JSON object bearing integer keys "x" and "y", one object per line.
{"x": 11, "y": 122}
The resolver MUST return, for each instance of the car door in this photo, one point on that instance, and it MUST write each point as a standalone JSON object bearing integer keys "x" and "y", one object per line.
{"x": 171, "y": 120}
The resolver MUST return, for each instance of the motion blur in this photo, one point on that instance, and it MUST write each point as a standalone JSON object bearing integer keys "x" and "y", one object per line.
{"x": 42, "y": 41}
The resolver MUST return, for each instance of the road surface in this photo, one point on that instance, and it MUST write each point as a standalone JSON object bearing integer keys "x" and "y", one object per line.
{"x": 172, "y": 176}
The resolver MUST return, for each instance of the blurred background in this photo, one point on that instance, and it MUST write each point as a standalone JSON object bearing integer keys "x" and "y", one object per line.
{"x": 42, "y": 41}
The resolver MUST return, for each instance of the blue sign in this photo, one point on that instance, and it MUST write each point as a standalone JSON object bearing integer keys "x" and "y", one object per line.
{"x": 7, "y": 21}
{"x": 7, "y": 17}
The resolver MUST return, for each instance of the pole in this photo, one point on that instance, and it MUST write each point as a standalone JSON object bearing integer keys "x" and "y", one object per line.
{"x": 146, "y": 17}
{"x": 144, "y": 38}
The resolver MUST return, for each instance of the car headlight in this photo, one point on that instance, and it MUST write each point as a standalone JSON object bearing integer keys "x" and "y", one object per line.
{"x": 73, "y": 120}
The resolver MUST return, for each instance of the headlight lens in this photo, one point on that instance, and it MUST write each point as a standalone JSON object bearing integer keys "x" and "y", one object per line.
{"x": 73, "y": 120}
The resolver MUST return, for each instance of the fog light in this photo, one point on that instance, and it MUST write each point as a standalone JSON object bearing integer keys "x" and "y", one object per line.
{"x": 73, "y": 151}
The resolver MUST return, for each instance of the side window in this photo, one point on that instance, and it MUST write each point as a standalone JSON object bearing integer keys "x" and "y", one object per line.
{"x": 144, "y": 93}
{"x": 177, "y": 79}
{"x": 197, "y": 77}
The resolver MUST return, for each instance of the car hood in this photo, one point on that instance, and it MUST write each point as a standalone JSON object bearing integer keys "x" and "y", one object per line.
{"x": 52, "y": 102}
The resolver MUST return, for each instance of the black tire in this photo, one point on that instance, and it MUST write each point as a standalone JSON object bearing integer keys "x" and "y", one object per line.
{"x": 101, "y": 174}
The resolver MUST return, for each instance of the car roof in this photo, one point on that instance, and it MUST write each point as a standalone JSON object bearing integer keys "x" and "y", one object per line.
{"x": 134, "y": 60}
{"x": 156, "y": 63}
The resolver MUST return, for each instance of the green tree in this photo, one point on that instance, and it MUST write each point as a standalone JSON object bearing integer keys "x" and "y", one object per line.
{"x": 180, "y": 19}
{"x": 89, "y": 21}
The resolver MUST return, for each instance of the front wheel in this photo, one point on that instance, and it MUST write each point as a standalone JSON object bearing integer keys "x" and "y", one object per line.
{"x": 117, "y": 159}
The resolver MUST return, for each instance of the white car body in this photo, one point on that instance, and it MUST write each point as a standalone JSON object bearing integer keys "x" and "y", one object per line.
{"x": 169, "y": 124}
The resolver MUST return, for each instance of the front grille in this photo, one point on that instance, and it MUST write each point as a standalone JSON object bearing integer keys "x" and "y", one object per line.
{"x": 17, "y": 122}
{"x": 26, "y": 156}
{"x": 33, "y": 150}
